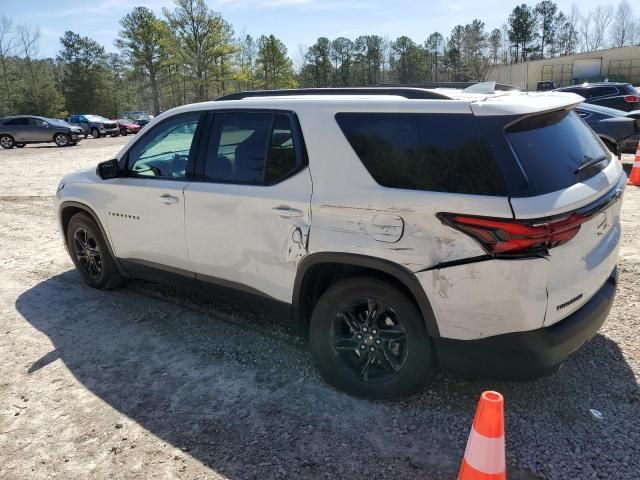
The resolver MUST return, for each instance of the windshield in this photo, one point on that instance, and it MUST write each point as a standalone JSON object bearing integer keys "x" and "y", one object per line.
{"x": 56, "y": 121}
{"x": 96, "y": 118}
{"x": 553, "y": 146}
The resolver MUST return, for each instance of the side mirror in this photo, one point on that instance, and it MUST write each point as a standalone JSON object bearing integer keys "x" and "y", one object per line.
{"x": 108, "y": 169}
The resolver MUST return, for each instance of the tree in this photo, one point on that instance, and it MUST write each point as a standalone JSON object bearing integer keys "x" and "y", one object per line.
{"x": 546, "y": 12}
{"x": 318, "y": 58}
{"x": 83, "y": 63}
{"x": 622, "y": 28}
{"x": 342, "y": 50}
{"x": 495, "y": 42}
{"x": 435, "y": 46}
{"x": 602, "y": 17}
{"x": 143, "y": 40}
{"x": 522, "y": 31}
{"x": 274, "y": 67}
{"x": 202, "y": 42}
{"x": 8, "y": 44}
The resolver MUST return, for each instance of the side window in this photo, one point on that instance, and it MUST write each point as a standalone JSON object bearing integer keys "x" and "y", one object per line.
{"x": 250, "y": 148}
{"x": 82, "y": 119}
{"x": 430, "y": 152}
{"x": 281, "y": 160}
{"x": 36, "y": 122}
{"x": 18, "y": 121}
{"x": 601, "y": 92}
{"x": 164, "y": 151}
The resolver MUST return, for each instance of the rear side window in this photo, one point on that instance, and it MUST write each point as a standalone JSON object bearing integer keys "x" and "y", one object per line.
{"x": 18, "y": 121}
{"x": 553, "y": 146}
{"x": 601, "y": 92}
{"x": 628, "y": 89}
{"x": 251, "y": 148}
{"x": 430, "y": 152}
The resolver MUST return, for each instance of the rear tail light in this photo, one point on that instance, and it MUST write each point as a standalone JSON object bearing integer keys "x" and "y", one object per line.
{"x": 516, "y": 237}
{"x": 631, "y": 98}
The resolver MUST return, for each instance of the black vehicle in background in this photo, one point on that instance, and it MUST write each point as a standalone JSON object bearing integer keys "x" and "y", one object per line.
{"x": 619, "y": 130}
{"x": 546, "y": 85}
{"x": 622, "y": 96}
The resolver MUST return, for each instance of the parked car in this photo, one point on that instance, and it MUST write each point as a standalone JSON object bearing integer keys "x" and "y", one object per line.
{"x": 20, "y": 130}
{"x": 95, "y": 125}
{"x": 619, "y": 130}
{"x": 546, "y": 86}
{"x": 405, "y": 230}
{"x": 126, "y": 126}
{"x": 622, "y": 96}
{"x": 142, "y": 122}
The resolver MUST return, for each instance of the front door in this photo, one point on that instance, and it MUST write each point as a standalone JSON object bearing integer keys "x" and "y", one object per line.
{"x": 39, "y": 130}
{"x": 247, "y": 217}
{"x": 145, "y": 208}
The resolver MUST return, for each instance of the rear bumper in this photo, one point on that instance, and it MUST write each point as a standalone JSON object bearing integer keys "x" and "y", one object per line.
{"x": 532, "y": 354}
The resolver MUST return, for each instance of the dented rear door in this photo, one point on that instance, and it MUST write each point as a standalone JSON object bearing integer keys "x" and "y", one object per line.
{"x": 247, "y": 214}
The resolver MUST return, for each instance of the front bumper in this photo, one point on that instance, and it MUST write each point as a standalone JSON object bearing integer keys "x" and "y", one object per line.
{"x": 532, "y": 354}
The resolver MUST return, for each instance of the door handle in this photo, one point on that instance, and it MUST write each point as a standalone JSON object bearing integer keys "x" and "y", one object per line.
{"x": 287, "y": 212}
{"x": 168, "y": 199}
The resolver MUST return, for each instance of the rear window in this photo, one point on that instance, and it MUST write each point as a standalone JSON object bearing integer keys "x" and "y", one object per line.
{"x": 431, "y": 152}
{"x": 551, "y": 147}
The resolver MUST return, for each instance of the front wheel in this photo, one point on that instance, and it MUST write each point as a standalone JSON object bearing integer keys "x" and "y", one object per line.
{"x": 90, "y": 253}
{"x": 6, "y": 141}
{"x": 95, "y": 133}
{"x": 61, "y": 140}
{"x": 369, "y": 339}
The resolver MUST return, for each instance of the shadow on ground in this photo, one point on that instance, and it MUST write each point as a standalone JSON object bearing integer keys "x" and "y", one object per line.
{"x": 246, "y": 405}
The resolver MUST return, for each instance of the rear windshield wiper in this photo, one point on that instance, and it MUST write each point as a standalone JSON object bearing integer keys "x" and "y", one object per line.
{"x": 590, "y": 162}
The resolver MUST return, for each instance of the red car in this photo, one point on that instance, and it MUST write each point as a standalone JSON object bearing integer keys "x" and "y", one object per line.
{"x": 127, "y": 126}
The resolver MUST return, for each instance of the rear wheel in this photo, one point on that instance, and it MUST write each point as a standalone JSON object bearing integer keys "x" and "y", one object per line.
{"x": 61, "y": 139}
{"x": 6, "y": 141}
{"x": 90, "y": 253}
{"x": 369, "y": 339}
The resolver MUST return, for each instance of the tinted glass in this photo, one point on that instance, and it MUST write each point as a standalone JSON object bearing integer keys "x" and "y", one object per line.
{"x": 36, "y": 122}
{"x": 281, "y": 159}
{"x": 238, "y": 147}
{"x": 551, "y": 148}
{"x": 601, "y": 91}
{"x": 18, "y": 121}
{"x": 164, "y": 151}
{"x": 628, "y": 89}
{"x": 434, "y": 152}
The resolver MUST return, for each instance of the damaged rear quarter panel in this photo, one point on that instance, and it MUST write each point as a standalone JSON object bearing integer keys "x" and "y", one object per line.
{"x": 487, "y": 298}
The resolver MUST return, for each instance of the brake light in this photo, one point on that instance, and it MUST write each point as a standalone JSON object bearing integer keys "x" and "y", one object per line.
{"x": 631, "y": 98}
{"x": 502, "y": 236}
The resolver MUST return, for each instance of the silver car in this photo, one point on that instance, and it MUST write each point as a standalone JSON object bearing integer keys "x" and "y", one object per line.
{"x": 95, "y": 125}
{"x": 19, "y": 130}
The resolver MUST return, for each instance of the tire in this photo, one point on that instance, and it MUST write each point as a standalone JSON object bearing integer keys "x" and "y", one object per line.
{"x": 95, "y": 263}
{"x": 86, "y": 135}
{"x": 95, "y": 133}
{"x": 395, "y": 359}
{"x": 7, "y": 142}
{"x": 20, "y": 145}
{"x": 61, "y": 139}
{"x": 123, "y": 133}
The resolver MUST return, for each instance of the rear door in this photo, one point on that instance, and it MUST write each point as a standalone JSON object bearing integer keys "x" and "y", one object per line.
{"x": 248, "y": 210}
{"x": 554, "y": 149}
{"x": 18, "y": 128}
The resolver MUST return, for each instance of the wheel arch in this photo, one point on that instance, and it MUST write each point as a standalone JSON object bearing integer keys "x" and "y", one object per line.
{"x": 69, "y": 208}
{"x": 317, "y": 271}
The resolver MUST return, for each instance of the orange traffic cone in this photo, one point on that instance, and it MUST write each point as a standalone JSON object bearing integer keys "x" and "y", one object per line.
{"x": 634, "y": 176}
{"x": 484, "y": 456}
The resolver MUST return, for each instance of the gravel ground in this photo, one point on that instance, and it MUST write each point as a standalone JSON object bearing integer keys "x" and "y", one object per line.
{"x": 150, "y": 382}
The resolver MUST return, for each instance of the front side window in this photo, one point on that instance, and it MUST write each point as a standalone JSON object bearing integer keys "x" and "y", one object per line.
{"x": 250, "y": 148}
{"x": 430, "y": 152}
{"x": 165, "y": 151}
{"x": 36, "y": 122}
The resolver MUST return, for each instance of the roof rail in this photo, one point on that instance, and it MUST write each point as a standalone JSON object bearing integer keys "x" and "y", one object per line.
{"x": 456, "y": 85}
{"x": 406, "y": 92}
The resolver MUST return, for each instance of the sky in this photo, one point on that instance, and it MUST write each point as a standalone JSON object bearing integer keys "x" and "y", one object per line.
{"x": 296, "y": 22}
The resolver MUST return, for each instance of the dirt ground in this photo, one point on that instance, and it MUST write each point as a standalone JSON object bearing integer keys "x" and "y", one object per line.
{"x": 149, "y": 382}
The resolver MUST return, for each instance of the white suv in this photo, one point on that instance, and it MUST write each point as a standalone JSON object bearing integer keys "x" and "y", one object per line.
{"x": 403, "y": 229}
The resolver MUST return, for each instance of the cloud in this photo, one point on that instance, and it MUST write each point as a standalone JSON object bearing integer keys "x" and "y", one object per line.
{"x": 307, "y": 4}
